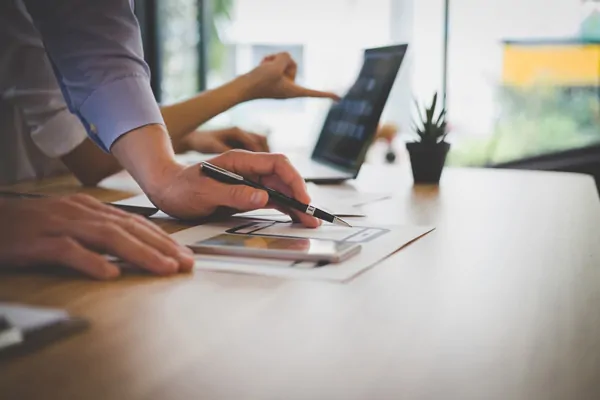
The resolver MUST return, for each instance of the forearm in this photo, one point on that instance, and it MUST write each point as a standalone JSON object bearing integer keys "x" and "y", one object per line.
{"x": 184, "y": 117}
{"x": 147, "y": 154}
{"x": 90, "y": 164}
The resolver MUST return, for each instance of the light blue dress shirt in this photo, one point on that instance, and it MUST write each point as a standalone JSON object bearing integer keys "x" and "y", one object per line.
{"x": 96, "y": 51}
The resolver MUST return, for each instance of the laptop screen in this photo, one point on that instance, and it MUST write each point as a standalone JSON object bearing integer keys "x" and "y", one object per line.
{"x": 351, "y": 123}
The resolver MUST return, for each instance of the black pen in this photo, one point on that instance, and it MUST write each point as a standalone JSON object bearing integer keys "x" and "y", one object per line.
{"x": 224, "y": 176}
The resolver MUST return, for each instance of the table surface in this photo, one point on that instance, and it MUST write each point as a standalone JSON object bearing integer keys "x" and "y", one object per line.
{"x": 501, "y": 301}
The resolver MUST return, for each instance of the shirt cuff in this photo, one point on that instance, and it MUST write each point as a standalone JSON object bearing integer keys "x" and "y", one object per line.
{"x": 119, "y": 107}
{"x": 59, "y": 135}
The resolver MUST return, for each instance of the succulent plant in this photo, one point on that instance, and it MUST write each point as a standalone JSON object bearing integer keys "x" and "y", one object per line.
{"x": 431, "y": 130}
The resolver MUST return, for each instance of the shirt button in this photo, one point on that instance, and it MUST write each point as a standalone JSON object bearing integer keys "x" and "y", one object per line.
{"x": 93, "y": 129}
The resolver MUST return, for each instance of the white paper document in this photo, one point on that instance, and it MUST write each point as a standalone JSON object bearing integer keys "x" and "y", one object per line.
{"x": 378, "y": 242}
{"x": 344, "y": 196}
{"x": 266, "y": 214}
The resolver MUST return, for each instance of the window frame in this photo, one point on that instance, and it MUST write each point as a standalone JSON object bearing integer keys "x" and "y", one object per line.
{"x": 148, "y": 18}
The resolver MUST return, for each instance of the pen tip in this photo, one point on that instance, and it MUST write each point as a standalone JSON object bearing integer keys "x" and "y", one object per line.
{"x": 341, "y": 222}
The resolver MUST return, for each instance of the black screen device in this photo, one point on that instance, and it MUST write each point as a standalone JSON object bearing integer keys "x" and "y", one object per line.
{"x": 351, "y": 124}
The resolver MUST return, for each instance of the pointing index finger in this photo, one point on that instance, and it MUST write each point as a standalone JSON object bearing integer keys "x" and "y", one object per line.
{"x": 305, "y": 92}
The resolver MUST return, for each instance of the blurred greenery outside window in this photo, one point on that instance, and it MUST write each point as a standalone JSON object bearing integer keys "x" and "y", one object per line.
{"x": 557, "y": 107}
{"x": 534, "y": 121}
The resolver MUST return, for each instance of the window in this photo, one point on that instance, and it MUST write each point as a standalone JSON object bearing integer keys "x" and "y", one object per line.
{"x": 171, "y": 34}
{"x": 179, "y": 36}
{"x": 523, "y": 78}
{"x": 326, "y": 39}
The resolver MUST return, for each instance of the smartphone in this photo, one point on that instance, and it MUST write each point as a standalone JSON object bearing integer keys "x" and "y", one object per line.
{"x": 284, "y": 248}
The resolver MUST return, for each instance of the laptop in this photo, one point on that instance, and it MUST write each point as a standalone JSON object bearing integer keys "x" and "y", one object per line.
{"x": 351, "y": 124}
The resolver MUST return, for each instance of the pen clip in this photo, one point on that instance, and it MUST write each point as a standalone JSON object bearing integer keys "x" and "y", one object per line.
{"x": 220, "y": 170}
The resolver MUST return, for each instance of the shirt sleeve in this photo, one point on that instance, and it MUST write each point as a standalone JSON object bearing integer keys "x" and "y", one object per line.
{"x": 96, "y": 52}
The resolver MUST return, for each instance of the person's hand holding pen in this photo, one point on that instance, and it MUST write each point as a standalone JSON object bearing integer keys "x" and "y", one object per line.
{"x": 190, "y": 194}
{"x": 147, "y": 154}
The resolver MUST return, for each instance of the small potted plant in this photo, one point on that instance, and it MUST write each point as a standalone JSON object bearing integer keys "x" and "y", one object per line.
{"x": 428, "y": 153}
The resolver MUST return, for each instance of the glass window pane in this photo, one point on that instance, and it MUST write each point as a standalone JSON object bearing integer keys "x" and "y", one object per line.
{"x": 326, "y": 39}
{"x": 178, "y": 46}
{"x": 523, "y": 78}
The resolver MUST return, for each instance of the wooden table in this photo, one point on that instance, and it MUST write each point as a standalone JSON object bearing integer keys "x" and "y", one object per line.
{"x": 502, "y": 301}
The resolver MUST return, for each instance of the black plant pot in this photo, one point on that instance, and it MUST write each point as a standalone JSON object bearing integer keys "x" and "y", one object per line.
{"x": 427, "y": 161}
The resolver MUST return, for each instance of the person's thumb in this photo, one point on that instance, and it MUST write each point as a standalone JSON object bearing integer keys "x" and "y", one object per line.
{"x": 245, "y": 198}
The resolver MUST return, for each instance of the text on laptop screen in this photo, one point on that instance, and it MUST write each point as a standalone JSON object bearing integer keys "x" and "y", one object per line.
{"x": 351, "y": 123}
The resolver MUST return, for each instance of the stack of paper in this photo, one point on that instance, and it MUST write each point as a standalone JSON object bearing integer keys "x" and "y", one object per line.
{"x": 378, "y": 242}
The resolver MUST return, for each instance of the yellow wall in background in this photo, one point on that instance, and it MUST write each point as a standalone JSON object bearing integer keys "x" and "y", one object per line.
{"x": 562, "y": 64}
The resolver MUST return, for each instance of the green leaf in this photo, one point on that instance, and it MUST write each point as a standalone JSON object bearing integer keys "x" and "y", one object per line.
{"x": 430, "y": 129}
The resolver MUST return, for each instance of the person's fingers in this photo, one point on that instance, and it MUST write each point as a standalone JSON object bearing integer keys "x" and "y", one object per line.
{"x": 266, "y": 164}
{"x": 261, "y": 145}
{"x": 292, "y": 68}
{"x": 248, "y": 140}
{"x": 297, "y": 216}
{"x": 85, "y": 208}
{"x": 108, "y": 209}
{"x": 264, "y": 143}
{"x": 219, "y": 147}
{"x": 110, "y": 238}
{"x": 309, "y": 221}
{"x": 145, "y": 231}
{"x": 138, "y": 225}
{"x": 161, "y": 242}
{"x": 286, "y": 63}
{"x": 276, "y": 172}
{"x": 300, "y": 91}
{"x": 291, "y": 178}
{"x": 68, "y": 252}
{"x": 70, "y": 207}
{"x": 239, "y": 197}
